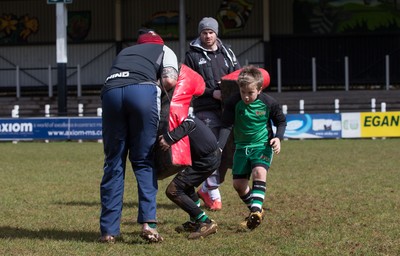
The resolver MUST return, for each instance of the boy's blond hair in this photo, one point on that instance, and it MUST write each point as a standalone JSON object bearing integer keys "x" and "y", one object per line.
{"x": 250, "y": 75}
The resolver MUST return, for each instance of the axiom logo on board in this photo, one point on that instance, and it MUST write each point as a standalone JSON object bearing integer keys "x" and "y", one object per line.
{"x": 16, "y": 127}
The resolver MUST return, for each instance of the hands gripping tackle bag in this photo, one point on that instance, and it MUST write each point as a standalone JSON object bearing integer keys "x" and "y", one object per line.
{"x": 174, "y": 110}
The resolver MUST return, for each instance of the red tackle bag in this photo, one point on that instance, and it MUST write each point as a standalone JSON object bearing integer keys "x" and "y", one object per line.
{"x": 189, "y": 84}
{"x": 229, "y": 84}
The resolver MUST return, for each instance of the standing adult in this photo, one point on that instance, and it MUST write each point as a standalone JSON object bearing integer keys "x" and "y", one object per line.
{"x": 131, "y": 109}
{"x": 212, "y": 59}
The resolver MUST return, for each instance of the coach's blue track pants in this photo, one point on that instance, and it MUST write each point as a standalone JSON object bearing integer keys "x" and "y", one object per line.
{"x": 130, "y": 121}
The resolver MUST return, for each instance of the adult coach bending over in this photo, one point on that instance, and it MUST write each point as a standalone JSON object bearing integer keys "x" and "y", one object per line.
{"x": 131, "y": 108}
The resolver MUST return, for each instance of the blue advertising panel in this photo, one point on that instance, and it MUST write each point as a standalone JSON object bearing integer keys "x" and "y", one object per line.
{"x": 313, "y": 126}
{"x": 62, "y": 128}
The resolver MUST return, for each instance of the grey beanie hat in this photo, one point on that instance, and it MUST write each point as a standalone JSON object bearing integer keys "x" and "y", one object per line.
{"x": 208, "y": 23}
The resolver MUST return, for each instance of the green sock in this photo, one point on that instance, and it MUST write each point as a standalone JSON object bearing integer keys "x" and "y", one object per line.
{"x": 152, "y": 225}
{"x": 203, "y": 218}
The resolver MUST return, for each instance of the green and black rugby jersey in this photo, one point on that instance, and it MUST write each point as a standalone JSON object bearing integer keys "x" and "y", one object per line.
{"x": 252, "y": 123}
